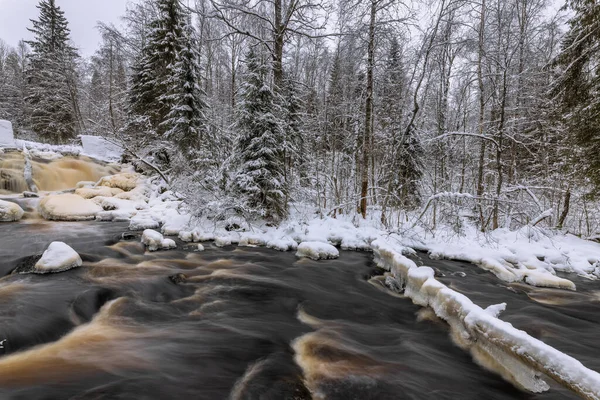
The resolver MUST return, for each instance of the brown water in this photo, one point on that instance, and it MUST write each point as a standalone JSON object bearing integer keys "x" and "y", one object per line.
{"x": 49, "y": 175}
{"x": 241, "y": 323}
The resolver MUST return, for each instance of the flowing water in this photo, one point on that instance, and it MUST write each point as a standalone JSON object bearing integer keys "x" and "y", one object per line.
{"x": 244, "y": 323}
{"x": 49, "y": 175}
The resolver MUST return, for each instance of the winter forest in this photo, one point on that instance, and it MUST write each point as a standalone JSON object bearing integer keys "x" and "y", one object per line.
{"x": 432, "y": 113}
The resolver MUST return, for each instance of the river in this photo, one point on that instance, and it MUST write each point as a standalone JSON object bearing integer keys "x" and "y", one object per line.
{"x": 249, "y": 323}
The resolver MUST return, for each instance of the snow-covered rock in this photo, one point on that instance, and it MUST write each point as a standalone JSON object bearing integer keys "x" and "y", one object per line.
{"x": 155, "y": 241}
{"x": 125, "y": 181}
{"x": 58, "y": 257}
{"x": 7, "y": 137}
{"x": 10, "y": 211}
{"x": 68, "y": 207}
{"x": 99, "y": 147}
{"x": 90, "y": 193}
{"x": 317, "y": 251}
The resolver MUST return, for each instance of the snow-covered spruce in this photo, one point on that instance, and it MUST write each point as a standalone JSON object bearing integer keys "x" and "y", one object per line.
{"x": 10, "y": 211}
{"x": 494, "y": 343}
{"x": 155, "y": 241}
{"x": 317, "y": 251}
{"x": 58, "y": 257}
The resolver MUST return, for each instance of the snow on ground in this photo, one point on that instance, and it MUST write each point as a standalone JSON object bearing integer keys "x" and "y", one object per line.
{"x": 317, "y": 251}
{"x": 10, "y": 211}
{"x": 58, "y": 257}
{"x": 155, "y": 241}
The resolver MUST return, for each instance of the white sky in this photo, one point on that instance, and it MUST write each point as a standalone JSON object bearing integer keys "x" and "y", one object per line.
{"x": 83, "y": 16}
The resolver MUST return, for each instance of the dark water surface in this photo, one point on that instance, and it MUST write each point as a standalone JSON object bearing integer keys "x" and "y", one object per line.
{"x": 243, "y": 323}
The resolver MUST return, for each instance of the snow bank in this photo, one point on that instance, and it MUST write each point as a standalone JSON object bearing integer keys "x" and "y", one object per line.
{"x": 101, "y": 148}
{"x": 317, "y": 251}
{"x": 10, "y": 211}
{"x": 155, "y": 241}
{"x": 7, "y": 137}
{"x": 495, "y": 344}
{"x": 58, "y": 257}
{"x": 68, "y": 207}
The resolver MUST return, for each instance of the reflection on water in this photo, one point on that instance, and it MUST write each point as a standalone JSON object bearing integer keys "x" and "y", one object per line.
{"x": 231, "y": 323}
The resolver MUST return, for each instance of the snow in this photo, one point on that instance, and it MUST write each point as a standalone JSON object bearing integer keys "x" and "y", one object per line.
{"x": 91, "y": 192}
{"x": 10, "y": 211}
{"x": 317, "y": 251}
{"x": 155, "y": 241}
{"x": 7, "y": 138}
{"x": 68, "y": 207}
{"x": 101, "y": 148}
{"x": 58, "y": 257}
{"x": 125, "y": 181}
{"x": 493, "y": 343}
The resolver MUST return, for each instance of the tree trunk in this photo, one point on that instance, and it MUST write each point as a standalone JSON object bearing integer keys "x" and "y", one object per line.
{"x": 368, "y": 113}
{"x": 565, "y": 211}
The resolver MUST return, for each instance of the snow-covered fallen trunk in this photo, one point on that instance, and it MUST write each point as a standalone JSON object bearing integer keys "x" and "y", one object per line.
{"x": 495, "y": 344}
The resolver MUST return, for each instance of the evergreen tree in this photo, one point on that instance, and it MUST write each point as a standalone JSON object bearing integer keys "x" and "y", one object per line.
{"x": 260, "y": 143}
{"x": 578, "y": 86}
{"x": 402, "y": 151}
{"x": 185, "y": 122}
{"x": 51, "y": 76}
{"x": 165, "y": 95}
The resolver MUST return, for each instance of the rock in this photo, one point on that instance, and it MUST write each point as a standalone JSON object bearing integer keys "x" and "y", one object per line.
{"x": 10, "y": 212}
{"x": 155, "y": 241}
{"x": 30, "y": 195}
{"x": 125, "y": 181}
{"x": 200, "y": 247}
{"x": 57, "y": 258}
{"x": 128, "y": 235}
{"x": 317, "y": 251}
{"x": 68, "y": 207}
{"x": 7, "y": 137}
{"x": 178, "y": 278}
{"x": 104, "y": 191}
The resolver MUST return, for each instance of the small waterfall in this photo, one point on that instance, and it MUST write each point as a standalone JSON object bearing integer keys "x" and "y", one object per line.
{"x": 49, "y": 175}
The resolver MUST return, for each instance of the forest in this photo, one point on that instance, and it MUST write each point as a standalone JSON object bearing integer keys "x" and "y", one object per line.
{"x": 452, "y": 113}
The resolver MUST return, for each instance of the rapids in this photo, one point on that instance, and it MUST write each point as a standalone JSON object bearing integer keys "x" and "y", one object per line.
{"x": 245, "y": 323}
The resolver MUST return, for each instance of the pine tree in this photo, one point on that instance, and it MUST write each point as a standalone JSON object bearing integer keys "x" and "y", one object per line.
{"x": 165, "y": 94}
{"x": 51, "y": 76}
{"x": 402, "y": 151}
{"x": 260, "y": 143}
{"x": 185, "y": 122}
{"x": 578, "y": 85}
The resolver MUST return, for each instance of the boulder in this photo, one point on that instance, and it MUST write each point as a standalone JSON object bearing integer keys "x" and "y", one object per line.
{"x": 155, "y": 241}
{"x": 57, "y": 258}
{"x": 68, "y": 207}
{"x": 10, "y": 211}
{"x": 317, "y": 250}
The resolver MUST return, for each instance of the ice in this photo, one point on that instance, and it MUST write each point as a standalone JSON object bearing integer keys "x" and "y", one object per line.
{"x": 495, "y": 344}
{"x": 317, "y": 251}
{"x": 7, "y": 138}
{"x": 10, "y": 211}
{"x": 155, "y": 241}
{"x": 58, "y": 257}
{"x": 68, "y": 207}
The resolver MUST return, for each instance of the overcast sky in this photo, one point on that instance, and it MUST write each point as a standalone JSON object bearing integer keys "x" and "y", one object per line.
{"x": 83, "y": 16}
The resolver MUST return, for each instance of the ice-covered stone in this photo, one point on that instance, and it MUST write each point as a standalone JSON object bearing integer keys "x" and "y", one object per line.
{"x": 125, "y": 181}
{"x": 317, "y": 251}
{"x": 91, "y": 192}
{"x": 68, "y": 207}
{"x": 58, "y": 257}
{"x": 10, "y": 211}
{"x": 155, "y": 241}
